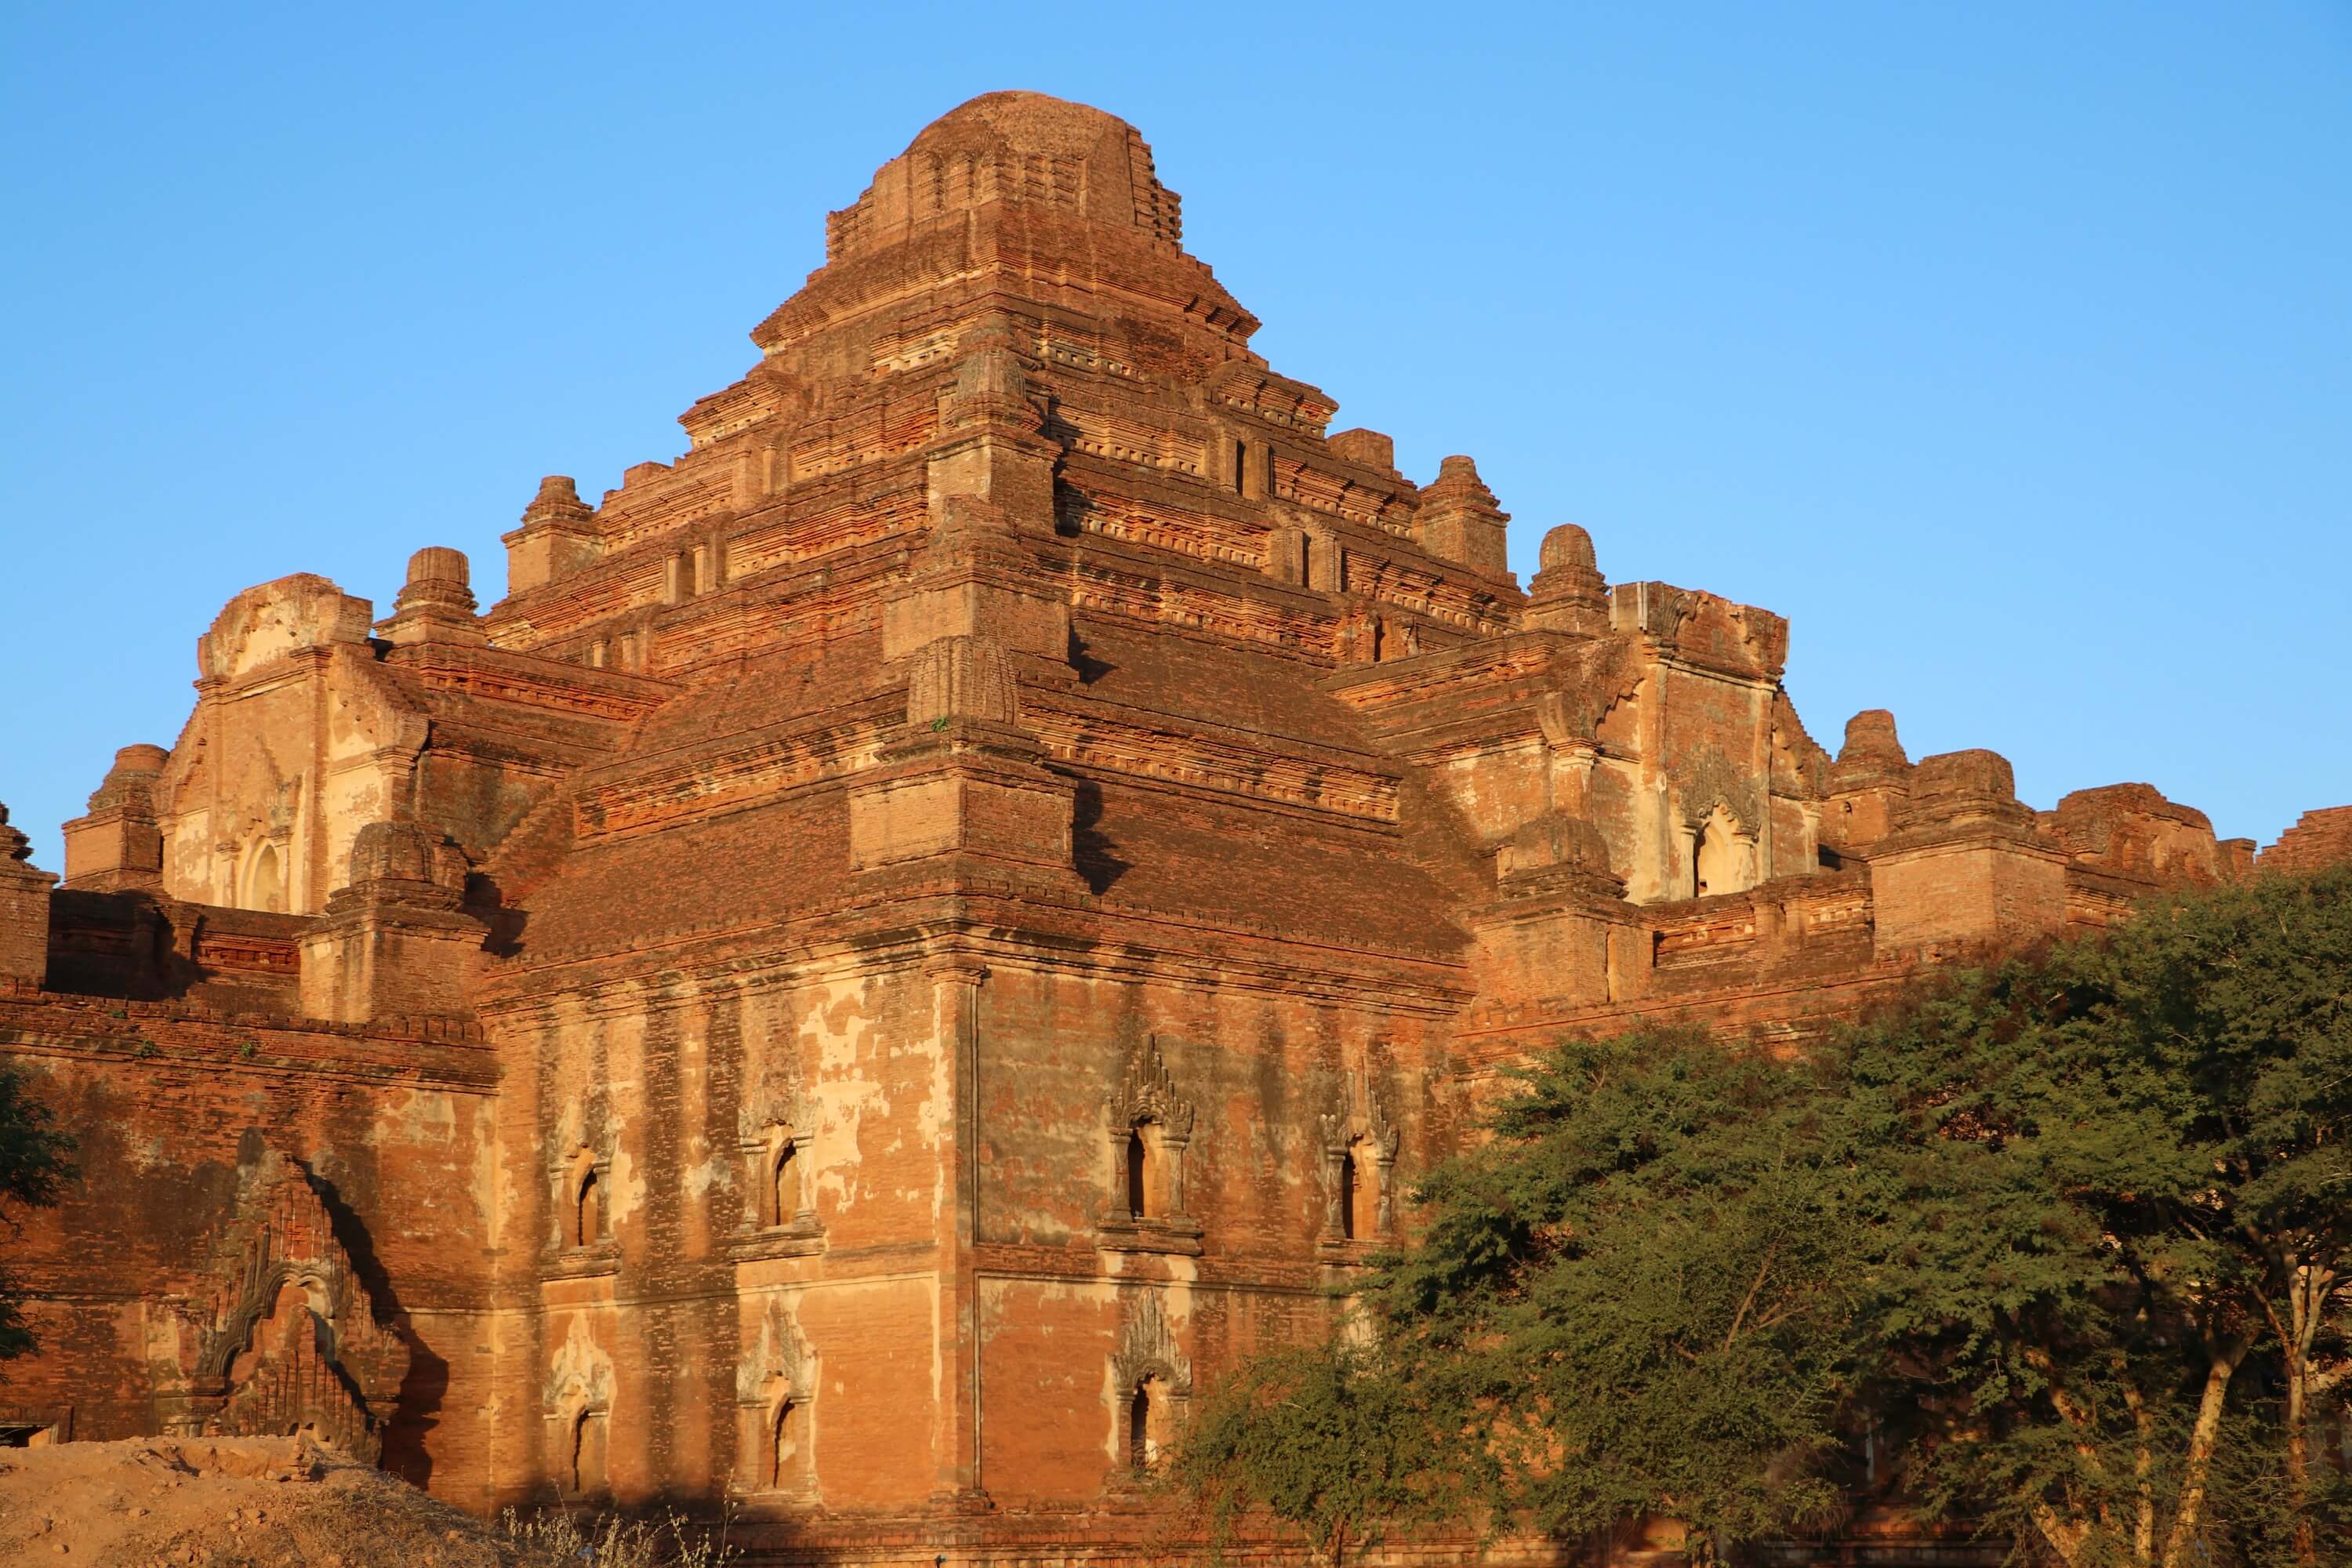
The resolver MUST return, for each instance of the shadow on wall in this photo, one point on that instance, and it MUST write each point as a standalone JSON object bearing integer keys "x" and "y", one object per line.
{"x": 427, "y": 1383}
{"x": 1090, "y": 846}
{"x": 487, "y": 901}
{"x": 127, "y": 946}
{"x": 1082, "y": 659}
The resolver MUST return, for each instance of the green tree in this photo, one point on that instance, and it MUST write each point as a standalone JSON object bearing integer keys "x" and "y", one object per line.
{"x": 2247, "y": 995}
{"x": 1639, "y": 1299}
{"x": 35, "y": 1162}
{"x": 1324, "y": 1438}
{"x": 2071, "y": 1231}
{"x": 2129, "y": 1184}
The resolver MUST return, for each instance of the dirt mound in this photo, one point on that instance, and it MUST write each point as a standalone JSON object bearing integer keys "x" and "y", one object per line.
{"x": 246, "y": 1502}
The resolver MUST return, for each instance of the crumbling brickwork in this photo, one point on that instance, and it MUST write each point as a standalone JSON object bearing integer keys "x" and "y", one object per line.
{"x": 922, "y": 930}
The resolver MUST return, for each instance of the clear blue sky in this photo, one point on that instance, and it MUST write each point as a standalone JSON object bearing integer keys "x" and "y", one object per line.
{"x": 2005, "y": 348}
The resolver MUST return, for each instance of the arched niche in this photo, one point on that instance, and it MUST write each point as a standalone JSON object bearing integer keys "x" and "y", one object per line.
{"x": 265, "y": 880}
{"x": 1722, "y": 857}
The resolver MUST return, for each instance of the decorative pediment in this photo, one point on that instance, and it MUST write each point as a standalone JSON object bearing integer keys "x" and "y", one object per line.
{"x": 1146, "y": 1093}
{"x": 774, "y": 1098}
{"x": 286, "y": 1335}
{"x": 1707, "y": 780}
{"x": 1655, "y": 610}
{"x": 274, "y": 619}
{"x": 1589, "y": 681}
{"x": 579, "y": 1377}
{"x": 1151, "y": 1129}
{"x": 1147, "y": 1347}
{"x": 1360, "y": 1134}
{"x": 581, "y": 1123}
{"x": 1360, "y": 1109}
{"x": 779, "y": 1365}
{"x": 777, "y": 1176}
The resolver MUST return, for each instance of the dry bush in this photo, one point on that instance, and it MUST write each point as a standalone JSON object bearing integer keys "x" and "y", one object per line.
{"x": 613, "y": 1541}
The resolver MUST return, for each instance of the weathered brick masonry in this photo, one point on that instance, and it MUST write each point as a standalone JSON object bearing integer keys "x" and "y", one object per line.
{"x": 922, "y": 930}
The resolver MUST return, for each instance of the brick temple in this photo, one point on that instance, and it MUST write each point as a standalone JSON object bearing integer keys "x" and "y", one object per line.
{"x": 923, "y": 928}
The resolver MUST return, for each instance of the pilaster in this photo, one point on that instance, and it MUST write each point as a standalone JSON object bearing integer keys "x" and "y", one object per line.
{"x": 963, "y": 778}
{"x": 1964, "y": 863}
{"x": 119, "y": 846}
{"x": 1459, "y": 520}
{"x": 437, "y": 603}
{"x": 1558, "y": 928}
{"x": 24, "y": 909}
{"x": 957, "y": 980}
{"x": 393, "y": 942}
{"x": 558, "y": 535}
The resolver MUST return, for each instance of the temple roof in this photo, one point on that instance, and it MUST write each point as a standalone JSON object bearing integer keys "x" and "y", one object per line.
{"x": 1014, "y": 147}
{"x": 995, "y": 123}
